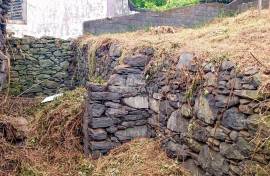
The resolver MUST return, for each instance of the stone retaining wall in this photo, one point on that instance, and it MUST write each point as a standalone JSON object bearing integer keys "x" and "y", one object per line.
{"x": 182, "y": 17}
{"x": 207, "y": 113}
{"x": 44, "y": 66}
{"x": 3, "y": 61}
{"x": 243, "y": 5}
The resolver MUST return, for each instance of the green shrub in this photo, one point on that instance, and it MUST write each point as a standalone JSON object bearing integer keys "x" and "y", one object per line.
{"x": 159, "y": 5}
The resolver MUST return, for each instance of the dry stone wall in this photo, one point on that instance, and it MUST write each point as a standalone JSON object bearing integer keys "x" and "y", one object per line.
{"x": 118, "y": 111}
{"x": 207, "y": 113}
{"x": 44, "y": 66}
{"x": 3, "y": 61}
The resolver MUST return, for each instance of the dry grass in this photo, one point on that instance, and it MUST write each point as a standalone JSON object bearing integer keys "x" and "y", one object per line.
{"x": 139, "y": 157}
{"x": 234, "y": 37}
{"x": 54, "y": 145}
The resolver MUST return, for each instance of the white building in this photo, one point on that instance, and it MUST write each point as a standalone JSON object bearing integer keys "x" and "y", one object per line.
{"x": 61, "y": 18}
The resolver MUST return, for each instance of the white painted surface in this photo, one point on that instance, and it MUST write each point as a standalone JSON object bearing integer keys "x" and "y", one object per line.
{"x": 64, "y": 18}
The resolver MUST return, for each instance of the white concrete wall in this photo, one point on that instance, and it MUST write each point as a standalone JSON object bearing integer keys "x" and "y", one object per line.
{"x": 64, "y": 18}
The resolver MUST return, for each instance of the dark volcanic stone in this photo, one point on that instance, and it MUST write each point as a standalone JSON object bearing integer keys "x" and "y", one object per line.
{"x": 104, "y": 145}
{"x": 205, "y": 109}
{"x": 177, "y": 123}
{"x": 111, "y": 112}
{"x": 133, "y": 117}
{"x": 104, "y": 96}
{"x": 199, "y": 133}
{"x": 226, "y": 101}
{"x": 97, "y": 109}
{"x": 230, "y": 151}
{"x": 125, "y": 69}
{"x": 130, "y": 133}
{"x": 227, "y": 65}
{"x": 186, "y": 62}
{"x": 213, "y": 162}
{"x": 101, "y": 122}
{"x": 97, "y": 134}
{"x": 233, "y": 119}
{"x": 178, "y": 151}
{"x": 137, "y": 60}
{"x": 111, "y": 129}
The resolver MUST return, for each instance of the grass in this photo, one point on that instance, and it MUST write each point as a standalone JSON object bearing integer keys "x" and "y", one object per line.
{"x": 233, "y": 37}
{"x": 53, "y": 145}
{"x": 161, "y": 5}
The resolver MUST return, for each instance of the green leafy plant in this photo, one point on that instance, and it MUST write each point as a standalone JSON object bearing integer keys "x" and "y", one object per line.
{"x": 159, "y": 5}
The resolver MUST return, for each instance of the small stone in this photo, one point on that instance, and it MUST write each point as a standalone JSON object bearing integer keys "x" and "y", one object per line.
{"x": 249, "y": 71}
{"x": 98, "y": 134}
{"x": 227, "y": 65}
{"x": 137, "y": 60}
{"x": 208, "y": 67}
{"x": 115, "y": 50}
{"x": 165, "y": 108}
{"x": 194, "y": 145}
{"x": 111, "y": 112}
{"x": 101, "y": 122}
{"x": 226, "y": 101}
{"x": 218, "y": 133}
{"x": 250, "y": 94}
{"x": 198, "y": 132}
{"x": 97, "y": 109}
{"x": 244, "y": 146}
{"x": 128, "y": 124}
{"x": 104, "y": 96}
{"x": 157, "y": 96}
{"x": 210, "y": 79}
{"x": 117, "y": 80}
{"x": 113, "y": 105}
{"x": 186, "y": 62}
{"x": 178, "y": 151}
{"x": 111, "y": 129}
{"x": 133, "y": 117}
{"x": 104, "y": 145}
{"x": 233, "y": 135}
{"x": 139, "y": 102}
{"x": 246, "y": 109}
{"x": 249, "y": 87}
{"x": 135, "y": 80}
{"x": 125, "y": 70}
{"x": 234, "y": 83}
{"x": 213, "y": 142}
{"x": 172, "y": 97}
{"x": 131, "y": 133}
{"x": 186, "y": 111}
{"x": 244, "y": 101}
{"x": 230, "y": 151}
{"x": 154, "y": 105}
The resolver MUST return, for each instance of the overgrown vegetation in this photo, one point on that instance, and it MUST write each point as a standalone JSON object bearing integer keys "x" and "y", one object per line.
{"x": 160, "y": 5}
{"x": 53, "y": 145}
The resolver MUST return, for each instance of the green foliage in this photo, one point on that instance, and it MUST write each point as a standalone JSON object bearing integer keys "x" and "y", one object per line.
{"x": 159, "y": 5}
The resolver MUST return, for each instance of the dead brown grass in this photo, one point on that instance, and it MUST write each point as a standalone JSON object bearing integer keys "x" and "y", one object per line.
{"x": 54, "y": 146}
{"x": 139, "y": 157}
{"x": 234, "y": 37}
